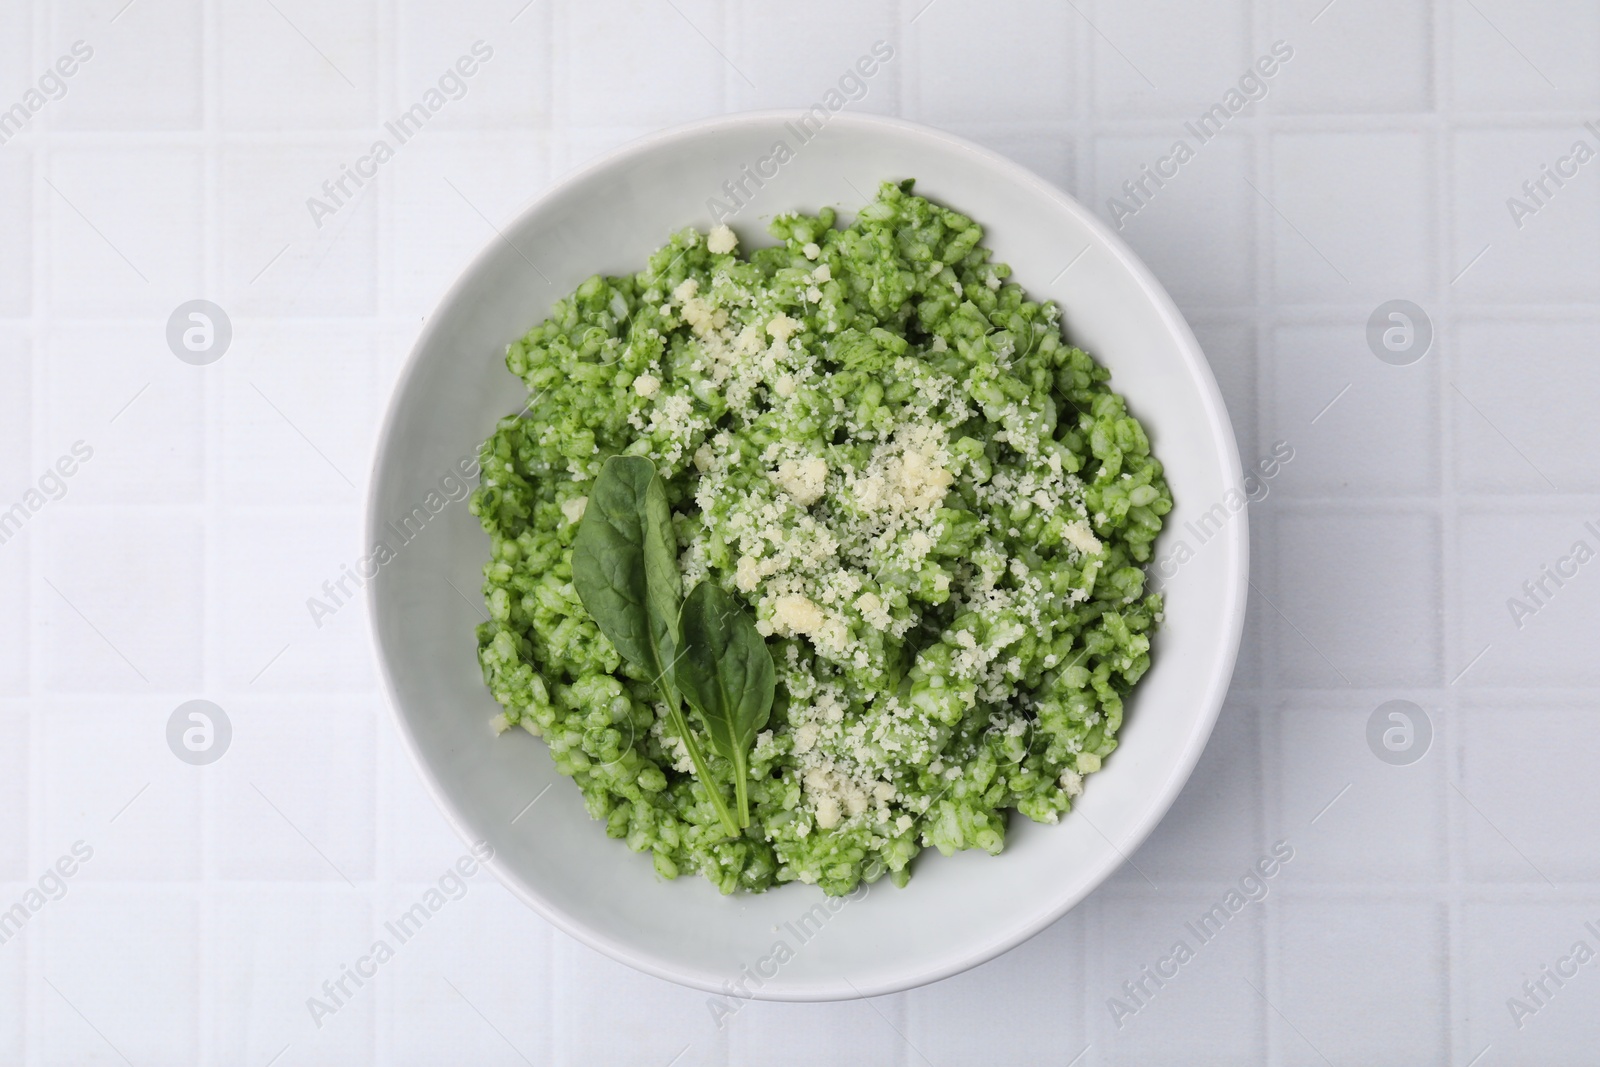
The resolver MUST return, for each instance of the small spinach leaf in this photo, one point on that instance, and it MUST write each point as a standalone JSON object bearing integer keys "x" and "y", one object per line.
{"x": 726, "y": 672}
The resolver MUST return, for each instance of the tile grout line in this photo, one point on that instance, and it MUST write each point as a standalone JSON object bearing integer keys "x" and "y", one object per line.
{"x": 208, "y": 1010}
{"x": 1263, "y": 524}
{"x": 1264, "y": 380}
{"x": 38, "y": 170}
{"x": 389, "y": 63}
{"x": 1445, "y": 335}
{"x": 1264, "y": 383}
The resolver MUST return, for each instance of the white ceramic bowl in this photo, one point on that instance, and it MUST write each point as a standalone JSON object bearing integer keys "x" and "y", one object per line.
{"x": 957, "y": 912}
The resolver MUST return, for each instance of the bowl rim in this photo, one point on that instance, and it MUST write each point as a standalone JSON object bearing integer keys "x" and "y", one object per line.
{"x": 1231, "y": 615}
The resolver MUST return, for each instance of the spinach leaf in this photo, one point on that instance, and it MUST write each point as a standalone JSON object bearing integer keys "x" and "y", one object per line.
{"x": 726, "y": 672}
{"x": 625, "y": 571}
{"x": 625, "y": 566}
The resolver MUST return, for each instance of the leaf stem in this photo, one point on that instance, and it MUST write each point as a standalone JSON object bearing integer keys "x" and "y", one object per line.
{"x": 741, "y": 772}
{"x": 680, "y": 723}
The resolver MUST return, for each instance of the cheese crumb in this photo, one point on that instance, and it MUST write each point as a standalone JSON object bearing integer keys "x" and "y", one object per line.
{"x": 822, "y": 274}
{"x": 573, "y": 509}
{"x": 647, "y": 385}
{"x": 747, "y": 574}
{"x": 1082, "y": 538}
{"x": 782, "y": 327}
{"x": 811, "y": 250}
{"x": 803, "y": 479}
{"x": 797, "y": 614}
{"x": 871, "y": 607}
{"x": 827, "y": 812}
{"x": 721, "y": 240}
{"x": 686, "y": 290}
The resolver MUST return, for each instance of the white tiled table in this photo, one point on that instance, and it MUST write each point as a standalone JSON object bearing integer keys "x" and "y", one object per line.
{"x": 178, "y": 562}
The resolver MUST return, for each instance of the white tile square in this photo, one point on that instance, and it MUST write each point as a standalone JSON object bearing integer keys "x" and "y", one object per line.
{"x": 1356, "y": 599}
{"x": 128, "y": 609}
{"x": 298, "y": 797}
{"x": 795, "y": 55}
{"x": 1214, "y": 827}
{"x": 16, "y": 46}
{"x": 663, "y": 1018}
{"x": 145, "y": 71}
{"x": 1358, "y": 427}
{"x": 509, "y": 81}
{"x": 1200, "y": 52}
{"x": 296, "y": 64}
{"x": 1206, "y": 1002}
{"x": 1363, "y": 977}
{"x": 276, "y": 258}
{"x": 1230, "y": 349}
{"x": 110, "y": 953}
{"x": 16, "y": 637}
{"x": 16, "y": 479}
{"x": 16, "y": 422}
{"x": 659, "y": 63}
{"x": 137, "y": 414}
{"x": 1516, "y": 425}
{"x": 15, "y": 758}
{"x": 443, "y": 227}
{"x": 298, "y": 417}
{"x": 1029, "y": 75}
{"x": 800, "y": 1035}
{"x": 125, "y": 231}
{"x": 271, "y": 950}
{"x": 1500, "y": 252}
{"x": 1509, "y": 56}
{"x": 416, "y": 841}
{"x": 1196, "y": 232}
{"x": 274, "y": 639}
{"x": 1524, "y": 629}
{"x": 16, "y": 231}
{"x": 1507, "y": 943}
{"x": 1353, "y": 218}
{"x": 1021, "y": 1009}
{"x": 1358, "y": 56}
{"x": 110, "y": 780}
{"x": 1352, "y": 818}
{"x": 1511, "y": 783}
{"x": 479, "y": 937}
{"x": 14, "y": 994}
{"x": 1250, "y": 672}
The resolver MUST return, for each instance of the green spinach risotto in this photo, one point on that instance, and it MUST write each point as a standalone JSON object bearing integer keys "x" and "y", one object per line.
{"x": 872, "y": 459}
